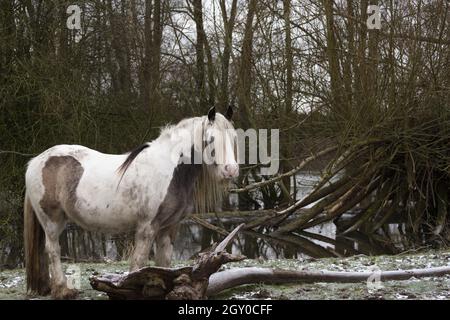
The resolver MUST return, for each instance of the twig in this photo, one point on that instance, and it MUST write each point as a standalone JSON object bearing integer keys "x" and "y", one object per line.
{"x": 18, "y": 153}
{"x": 209, "y": 225}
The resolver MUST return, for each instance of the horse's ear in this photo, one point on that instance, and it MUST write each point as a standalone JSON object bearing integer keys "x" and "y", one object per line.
{"x": 229, "y": 113}
{"x": 212, "y": 114}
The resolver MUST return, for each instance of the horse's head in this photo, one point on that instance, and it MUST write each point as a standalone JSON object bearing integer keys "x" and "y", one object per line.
{"x": 220, "y": 144}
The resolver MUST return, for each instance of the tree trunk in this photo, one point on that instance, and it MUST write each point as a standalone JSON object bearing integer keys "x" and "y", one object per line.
{"x": 288, "y": 55}
{"x": 228, "y": 41}
{"x": 119, "y": 43}
{"x": 245, "y": 69}
{"x": 360, "y": 69}
{"x": 333, "y": 61}
{"x": 286, "y": 166}
{"x": 152, "y": 60}
{"x": 200, "y": 59}
{"x": 349, "y": 60}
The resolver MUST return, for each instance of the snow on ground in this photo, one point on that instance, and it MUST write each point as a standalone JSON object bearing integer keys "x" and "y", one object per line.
{"x": 12, "y": 282}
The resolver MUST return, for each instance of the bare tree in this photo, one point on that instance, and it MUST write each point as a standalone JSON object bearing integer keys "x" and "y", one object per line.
{"x": 245, "y": 68}
{"x": 152, "y": 60}
{"x": 228, "y": 23}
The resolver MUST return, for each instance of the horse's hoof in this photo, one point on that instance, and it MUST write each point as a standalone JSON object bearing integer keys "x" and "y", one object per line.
{"x": 64, "y": 294}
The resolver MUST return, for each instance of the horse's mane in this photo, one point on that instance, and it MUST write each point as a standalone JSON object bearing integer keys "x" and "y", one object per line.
{"x": 131, "y": 156}
{"x": 209, "y": 189}
{"x": 165, "y": 131}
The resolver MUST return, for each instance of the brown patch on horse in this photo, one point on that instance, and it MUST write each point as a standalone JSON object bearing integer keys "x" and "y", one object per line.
{"x": 179, "y": 198}
{"x": 60, "y": 176}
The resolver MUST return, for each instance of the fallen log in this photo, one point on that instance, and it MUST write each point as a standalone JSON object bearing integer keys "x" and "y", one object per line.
{"x": 188, "y": 283}
{"x": 228, "y": 279}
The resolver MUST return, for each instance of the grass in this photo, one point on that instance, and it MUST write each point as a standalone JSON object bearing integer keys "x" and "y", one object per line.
{"x": 12, "y": 285}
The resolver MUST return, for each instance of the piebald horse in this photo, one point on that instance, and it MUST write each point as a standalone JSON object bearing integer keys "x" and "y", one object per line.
{"x": 147, "y": 191}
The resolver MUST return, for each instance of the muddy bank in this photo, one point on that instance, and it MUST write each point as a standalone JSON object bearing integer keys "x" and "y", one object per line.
{"x": 12, "y": 284}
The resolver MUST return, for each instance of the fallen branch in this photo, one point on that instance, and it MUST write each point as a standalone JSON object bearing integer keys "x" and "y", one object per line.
{"x": 227, "y": 279}
{"x": 233, "y": 214}
{"x": 208, "y": 225}
{"x": 168, "y": 283}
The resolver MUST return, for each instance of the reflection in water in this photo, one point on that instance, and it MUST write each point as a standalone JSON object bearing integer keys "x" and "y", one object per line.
{"x": 319, "y": 241}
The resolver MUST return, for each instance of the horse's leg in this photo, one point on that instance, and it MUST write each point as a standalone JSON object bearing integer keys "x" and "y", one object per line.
{"x": 164, "y": 245}
{"x": 53, "y": 225}
{"x": 145, "y": 234}
{"x": 59, "y": 281}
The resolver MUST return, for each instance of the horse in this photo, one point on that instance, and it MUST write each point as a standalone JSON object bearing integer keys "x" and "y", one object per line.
{"x": 147, "y": 191}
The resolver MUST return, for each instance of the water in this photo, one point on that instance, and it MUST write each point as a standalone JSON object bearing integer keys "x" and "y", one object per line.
{"x": 193, "y": 238}
{"x": 317, "y": 242}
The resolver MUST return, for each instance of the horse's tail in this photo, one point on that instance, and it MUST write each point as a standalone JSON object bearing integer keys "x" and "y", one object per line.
{"x": 36, "y": 263}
